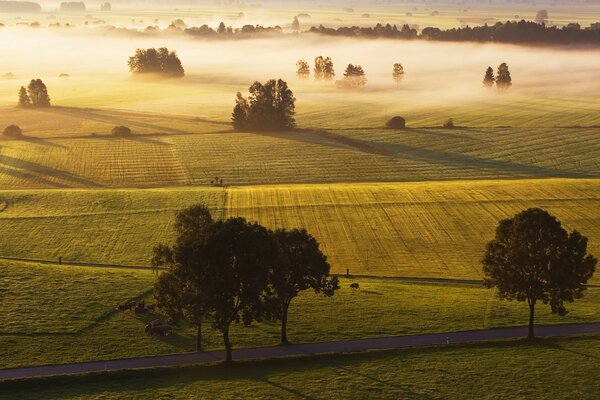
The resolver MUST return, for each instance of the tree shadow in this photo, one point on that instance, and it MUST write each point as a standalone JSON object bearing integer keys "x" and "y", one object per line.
{"x": 406, "y": 389}
{"x": 41, "y": 142}
{"x": 552, "y": 344}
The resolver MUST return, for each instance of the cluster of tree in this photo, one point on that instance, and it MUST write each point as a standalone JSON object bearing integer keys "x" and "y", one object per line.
{"x": 159, "y": 61}
{"x": 354, "y": 77}
{"x": 222, "y": 31}
{"x": 234, "y": 271}
{"x": 502, "y": 79}
{"x": 324, "y": 68}
{"x": 20, "y": 6}
{"x": 35, "y": 95}
{"x": 507, "y": 32}
{"x": 13, "y": 132}
{"x": 72, "y": 6}
{"x": 534, "y": 259}
{"x": 270, "y": 106}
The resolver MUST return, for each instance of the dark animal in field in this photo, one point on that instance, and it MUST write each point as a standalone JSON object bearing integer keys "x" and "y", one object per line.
{"x": 140, "y": 309}
{"x": 158, "y": 328}
{"x": 126, "y": 306}
{"x": 354, "y": 286}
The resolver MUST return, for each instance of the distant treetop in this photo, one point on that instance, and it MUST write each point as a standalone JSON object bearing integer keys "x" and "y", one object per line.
{"x": 159, "y": 61}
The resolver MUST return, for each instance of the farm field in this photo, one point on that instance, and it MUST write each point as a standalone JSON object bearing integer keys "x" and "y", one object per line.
{"x": 547, "y": 369}
{"x": 427, "y": 229}
{"x": 74, "y": 309}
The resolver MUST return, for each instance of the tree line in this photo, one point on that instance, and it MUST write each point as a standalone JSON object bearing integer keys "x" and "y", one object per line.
{"x": 233, "y": 271}
{"x": 507, "y": 32}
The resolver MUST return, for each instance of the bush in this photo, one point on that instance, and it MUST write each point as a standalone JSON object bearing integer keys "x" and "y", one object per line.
{"x": 13, "y": 131}
{"x": 449, "y": 124}
{"x": 396, "y": 123}
{"x": 121, "y": 131}
{"x": 158, "y": 61}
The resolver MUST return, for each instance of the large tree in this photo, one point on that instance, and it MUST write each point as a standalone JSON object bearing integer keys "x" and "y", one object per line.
{"x": 302, "y": 69}
{"x": 534, "y": 259}
{"x": 300, "y": 266}
{"x": 24, "y": 100}
{"x": 503, "y": 78}
{"x": 398, "y": 73}
{"x": 270, "y": 106}
{"x": 158, "y": 61}
{"x": 488, "y": 79}
{"x": 38, "y": 93}
{"x": 354, "y": 76}
{"x": 178, "y": 289}
{"x": 324, "y": 68}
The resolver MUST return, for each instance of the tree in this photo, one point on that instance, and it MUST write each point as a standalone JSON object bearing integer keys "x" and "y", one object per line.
{"x": 270, "y": 106}
{"x": 159, "y": 61}
{"x": 488, "y": 79}
{"x": 296, "y": 24}
{"x": 222, "y": 29}
{"x": 534, "y": 259}
{"x": 398, "y": 73}
{"x": 38, "y": 93}
{"x": 233, "y": 265}
{"x": 300, "y": 266}
{"x": 303, "y": 69}
{"x": 13, "y": 131}
{"x": 178, "y": 288}
{"x": 396, "y": 122}
{"x": 121, "y": 131}
{"x": 24, "y": 100}
{"x": 354, "y": 76}
{"x": 503, "y": 79}
{"x": 324, "y": 68}
{"x": 541, "y": 17}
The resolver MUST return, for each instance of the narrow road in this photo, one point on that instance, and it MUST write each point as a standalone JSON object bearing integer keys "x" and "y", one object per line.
{"x": 307, "y": 349}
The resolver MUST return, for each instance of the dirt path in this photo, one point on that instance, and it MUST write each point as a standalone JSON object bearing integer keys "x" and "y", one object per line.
{"x": 307, "y": 349}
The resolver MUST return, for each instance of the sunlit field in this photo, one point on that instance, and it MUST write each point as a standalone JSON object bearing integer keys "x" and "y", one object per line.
{"x": 398, "y": 229}
{"x": 45, "y": 328}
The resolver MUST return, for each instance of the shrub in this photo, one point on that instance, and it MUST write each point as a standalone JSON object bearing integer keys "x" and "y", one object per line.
{"x": 396, "y": 123}
{"x": 13, "y": 131}
{"x": 121, "y": 131}
{"x": 449, "y": 124}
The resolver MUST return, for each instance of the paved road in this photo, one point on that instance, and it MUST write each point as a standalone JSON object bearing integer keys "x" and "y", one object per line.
{"x": 343, "y": 346}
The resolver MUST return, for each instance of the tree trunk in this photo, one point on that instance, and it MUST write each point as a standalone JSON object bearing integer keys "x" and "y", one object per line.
{"x": 284, "y": 317}
{"x": 199, "y": 337}
{"x": 530, "y": 334}
{"x": 228, "y": 355}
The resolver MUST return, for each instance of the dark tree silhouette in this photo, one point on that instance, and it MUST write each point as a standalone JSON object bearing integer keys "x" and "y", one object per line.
{"x": 121, "y": 131}
{"x": 503, "y": 79}
{"x": 396, "y": 123}
{"x": 177, "y": 289}
{"x": 38, "y": 93}
{"x": 541, "y": 17}
{"x": 324, "y": 68}
{"x": 24, "y": 100}
{"x": 488, "y": 79}
{"x": 534, "y": 259}
{"x": 354, "y": 76}
{"x": 398, "y": 73}
{"x": 300, "y": 266}
{"x": 270, "y": 106}
{"x": 158, "y": 61}
{"x": 13, "y": 132}
{"x": 296, "y": 24}
{"x": 449, "y": 124}
{"x": 302, "y": 69}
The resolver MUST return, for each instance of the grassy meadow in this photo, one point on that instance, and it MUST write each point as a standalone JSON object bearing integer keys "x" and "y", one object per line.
{"x": 428, "y": 229}
{"x": 47, "y": 311}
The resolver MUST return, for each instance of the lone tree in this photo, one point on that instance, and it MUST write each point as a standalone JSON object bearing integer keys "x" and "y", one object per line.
{"x": 324, "y": 68}
{"x": 24, "y": 100}
{"x": 302, "y": 69}
{"x": 13, "y": 132}
{"x": 541, "y": 17}
{"x": 534, "y": 259}
{"x": 300, "y": 266}
{"x": 158, "y": 61}
{"x": 121, "y": 131}
{"x": 503, "y": 79}
{"x": 270, "y": 106}
{"x": 178, "y": 288}
{"x": 488, "y": 79}
{"x": 354, "y": 76}
{"x": 398, "y": 73}
{"x": 296, "y": 24}
{"x": 396, "y": 122}
{"x": 38, "y": 93}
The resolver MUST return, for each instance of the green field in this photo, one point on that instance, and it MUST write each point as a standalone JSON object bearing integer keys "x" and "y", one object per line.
{"x": 548, "y": 369}
{"x": 47, "y": 311}
{"x": 429, "y": 229}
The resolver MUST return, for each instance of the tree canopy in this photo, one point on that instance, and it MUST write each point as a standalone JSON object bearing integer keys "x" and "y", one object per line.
{"x": 354, "y": 76}
{"x": 270, "y": 106}
{"x": 503, "y": 78}
{"x": 158, "y": 61}
{"x": 488, "y": 78}
{"x": 302, "y": 69}
{"x": 324, "y": 68}
{"x": 36, "y": 96}
{"x": 398, "y": 73}
{"x": 534, "y": 259}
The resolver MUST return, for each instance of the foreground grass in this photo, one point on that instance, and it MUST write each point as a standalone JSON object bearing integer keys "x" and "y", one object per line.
{"x": 546, "y": 369}
{"x": 432, "y": 229}
{"x": 72, "y": 317}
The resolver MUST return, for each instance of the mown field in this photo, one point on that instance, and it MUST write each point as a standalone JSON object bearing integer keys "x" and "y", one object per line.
{"x": 548, "y": 369}
{"x": 47, "y": 311}
{"x": 428, "y": 229}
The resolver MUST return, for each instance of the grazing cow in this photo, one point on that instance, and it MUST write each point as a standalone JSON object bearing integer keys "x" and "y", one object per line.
{"x": 354, "y": 286}
{"x": 158, "y": 328}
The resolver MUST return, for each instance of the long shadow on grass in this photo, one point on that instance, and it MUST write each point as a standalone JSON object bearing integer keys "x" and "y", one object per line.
{"x": 26, "y": 176}
{"x": 552, "y": 344}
